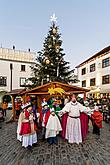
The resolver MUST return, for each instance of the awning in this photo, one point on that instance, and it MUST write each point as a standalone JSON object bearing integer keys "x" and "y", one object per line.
{"x": 105, "y": 91}
{"x": 95, "y": 91}
{"x": 98, "y": 90}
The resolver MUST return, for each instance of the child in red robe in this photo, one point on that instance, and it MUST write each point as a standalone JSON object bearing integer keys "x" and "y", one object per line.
{"x": 45, "y": 113}
{"x": 96, "y": 120}
{"x": 26, "y": 128}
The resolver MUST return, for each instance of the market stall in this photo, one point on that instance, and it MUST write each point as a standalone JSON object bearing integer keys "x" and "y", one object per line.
{"x": 51, "y": 89}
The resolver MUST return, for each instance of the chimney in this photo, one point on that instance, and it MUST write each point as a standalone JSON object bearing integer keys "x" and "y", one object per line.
{"x": 13, "y": 47}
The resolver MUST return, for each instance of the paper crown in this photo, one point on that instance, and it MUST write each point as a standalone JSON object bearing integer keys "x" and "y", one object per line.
{"x": 26, "y": 105}
{"x": 44, "y": 103}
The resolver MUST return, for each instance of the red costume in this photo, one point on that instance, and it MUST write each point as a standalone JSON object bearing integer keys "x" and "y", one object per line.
{"x": 84, "y": 125}
{"x": 26, "y": 131}
{"x": 63, "y": 124}
{"x": 97, "y": 118}
{"x": 47, "y": 114}
{"x": 25, "y": 126}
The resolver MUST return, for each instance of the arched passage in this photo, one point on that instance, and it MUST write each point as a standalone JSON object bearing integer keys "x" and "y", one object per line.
{"x": 7, "y": 98}
{"x": 2, "y": 94}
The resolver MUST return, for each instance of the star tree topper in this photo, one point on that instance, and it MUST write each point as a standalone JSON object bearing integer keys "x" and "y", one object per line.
{"x": 53, "y": 18}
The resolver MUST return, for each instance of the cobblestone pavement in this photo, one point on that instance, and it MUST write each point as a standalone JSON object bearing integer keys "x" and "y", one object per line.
{"x": 94, "y": 151}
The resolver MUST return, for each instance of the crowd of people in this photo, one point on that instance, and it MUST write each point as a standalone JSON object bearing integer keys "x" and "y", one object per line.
{"x": 69, "y": 119}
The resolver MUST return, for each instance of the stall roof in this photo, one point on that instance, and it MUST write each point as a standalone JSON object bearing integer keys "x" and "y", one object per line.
{"x": 43, "y": 89}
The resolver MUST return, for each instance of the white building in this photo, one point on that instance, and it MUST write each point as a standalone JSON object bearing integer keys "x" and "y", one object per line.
{"x": 94, "y": 73}
{"x": 14, "y": 68}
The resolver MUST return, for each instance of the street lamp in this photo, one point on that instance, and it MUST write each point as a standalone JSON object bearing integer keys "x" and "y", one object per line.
{"x": 11, "y": 78}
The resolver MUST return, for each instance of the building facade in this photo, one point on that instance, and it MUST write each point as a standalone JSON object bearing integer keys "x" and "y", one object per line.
{"x": 14, "y": 68}
{"x": 94, "y": 74}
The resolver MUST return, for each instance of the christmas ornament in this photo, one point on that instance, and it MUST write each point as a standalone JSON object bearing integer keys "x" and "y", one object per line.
{"x": 57, "y": 47}
{"x": 56, "y": 58}
{"x": 47, "y": 61}
{"x": 53, "y": 18}
{"x": 54, "y": 31}
{"x": 50, "y": 46}
{"x": 46, "y": 58}
{"x": 54, "y": 38}
{"x": 57, "y": 50}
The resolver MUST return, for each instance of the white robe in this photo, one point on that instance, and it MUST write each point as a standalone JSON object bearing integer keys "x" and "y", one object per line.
{"x": 29, "y": 140}
{"x": 19, "y": 137}
{"x": 25, "y": 139}
{"x": 53, "y": 126}
{"x": 73, "y": 127}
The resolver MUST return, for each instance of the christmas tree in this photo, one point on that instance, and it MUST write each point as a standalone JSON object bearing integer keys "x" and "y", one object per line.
{"x": 51, "y": 65}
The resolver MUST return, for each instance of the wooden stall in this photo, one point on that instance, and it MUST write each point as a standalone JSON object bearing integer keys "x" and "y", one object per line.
{"x": 14, "y": 93}
{"x": 54, "y": 89}
{"x": 47, "y": 91}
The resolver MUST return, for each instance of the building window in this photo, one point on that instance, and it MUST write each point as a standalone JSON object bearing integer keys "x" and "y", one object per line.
{"x": 22, "y": 82}
{"x": 84, "y": 83}
{"x": 92, "y": 67}
{"x": 3, "y": 81}
{"x": 105, "y": 62}
{"x": 106, "y": 79}
{"x": 92, "y": 82}
{"x": 83, "y": 71}
{"x": 23, "y": 68}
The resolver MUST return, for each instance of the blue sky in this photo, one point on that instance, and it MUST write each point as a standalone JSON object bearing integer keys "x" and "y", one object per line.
{"x": 84, "y": 25}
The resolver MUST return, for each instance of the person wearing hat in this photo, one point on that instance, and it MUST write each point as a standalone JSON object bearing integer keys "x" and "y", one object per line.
{"x": 96, "y": 120}
{"x": 26, "y": 131}
{"x": 45, "y": 113}
{"x": 55, "y": 103}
